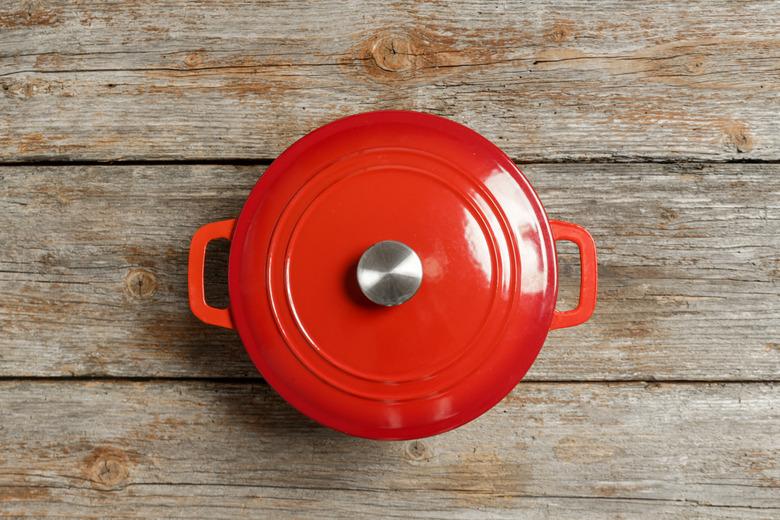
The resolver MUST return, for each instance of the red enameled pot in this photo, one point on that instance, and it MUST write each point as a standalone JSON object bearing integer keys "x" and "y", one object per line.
{"x": 393, "y": 275}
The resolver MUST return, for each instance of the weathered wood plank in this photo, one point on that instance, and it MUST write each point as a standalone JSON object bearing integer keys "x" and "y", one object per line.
{"x": 93, "y": 80}
{"x": 93, "y": 271}
{"x": 203, "y": 450}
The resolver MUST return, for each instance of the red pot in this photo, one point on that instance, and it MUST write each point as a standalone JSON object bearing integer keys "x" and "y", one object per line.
{"x": 393, "y": 275}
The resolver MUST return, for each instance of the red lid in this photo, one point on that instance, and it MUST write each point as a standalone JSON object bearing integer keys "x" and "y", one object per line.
{"x": 460, "y": 342}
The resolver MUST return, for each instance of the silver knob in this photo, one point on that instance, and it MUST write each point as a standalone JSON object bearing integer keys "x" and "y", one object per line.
{"x": 389, "y": 273}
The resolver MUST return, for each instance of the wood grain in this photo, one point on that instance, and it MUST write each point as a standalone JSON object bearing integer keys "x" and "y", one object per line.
{"x": 115, "y": 402}
{"x": 205, "y": 450}
{"x": 548, "y": 81}
{"x": 93, "y": 271}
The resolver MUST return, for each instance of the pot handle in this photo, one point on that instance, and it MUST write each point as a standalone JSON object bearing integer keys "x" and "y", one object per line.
{"x": 588, "y": 274}
{"x": 200, "y": 240}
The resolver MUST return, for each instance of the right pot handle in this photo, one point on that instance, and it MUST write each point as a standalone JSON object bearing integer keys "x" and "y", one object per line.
{"x": 588, "y": 274}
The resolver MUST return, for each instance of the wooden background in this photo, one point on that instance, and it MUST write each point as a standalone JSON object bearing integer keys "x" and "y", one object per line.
{"x": 126, "y": 125}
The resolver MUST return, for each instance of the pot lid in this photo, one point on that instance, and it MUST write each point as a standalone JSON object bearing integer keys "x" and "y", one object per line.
{"x": 392, "y": 275}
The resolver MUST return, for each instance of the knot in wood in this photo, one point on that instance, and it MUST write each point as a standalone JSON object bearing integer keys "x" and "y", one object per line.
{"x": 110, "y": 472}
{"x": 418, "y": 451}
{"x": 394, "y": 53}
{"x": 193, "y": 60}
{"x": 140, "y": 284}
{"x": 738, "y": 135}
{"x": 106, "y": 467}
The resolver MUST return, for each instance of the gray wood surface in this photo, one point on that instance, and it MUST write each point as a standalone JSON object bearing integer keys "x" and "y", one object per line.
{"x": 548, "y": 81}
{"x": 216, "y": 450}
{"x": 656, "y": 125}
{"x": 93, "y": 274}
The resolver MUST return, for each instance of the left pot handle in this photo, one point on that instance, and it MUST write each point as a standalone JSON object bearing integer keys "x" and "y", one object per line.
{"x": 200, "y": 240}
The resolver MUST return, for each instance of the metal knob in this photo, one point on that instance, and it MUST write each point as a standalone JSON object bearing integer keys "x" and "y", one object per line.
{"x": 389, "y": 273}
